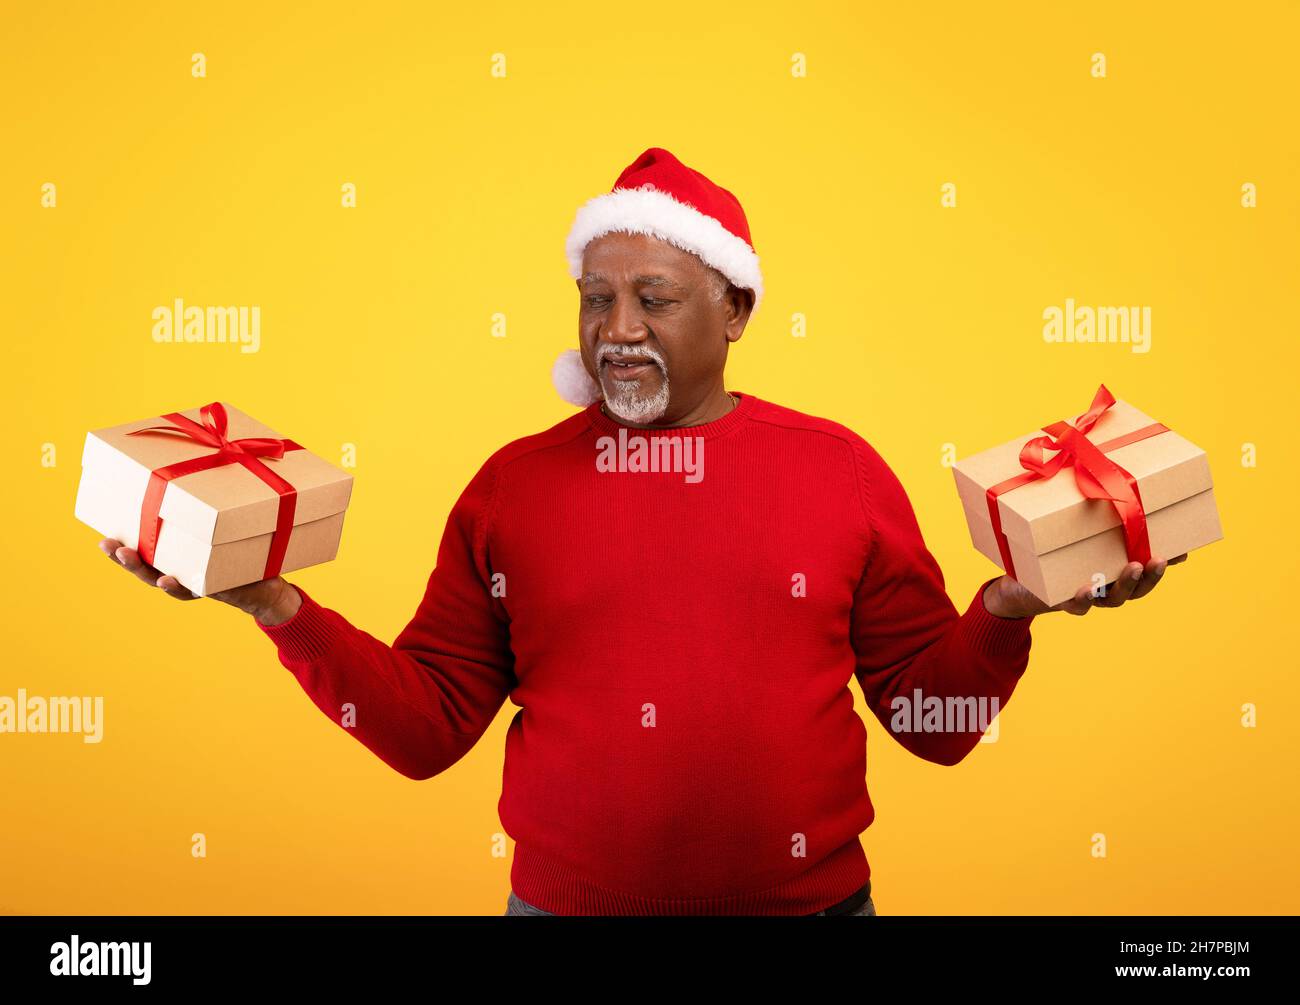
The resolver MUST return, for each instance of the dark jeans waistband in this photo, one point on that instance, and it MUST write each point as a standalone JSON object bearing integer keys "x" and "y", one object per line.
{"x": 849, "y": 904}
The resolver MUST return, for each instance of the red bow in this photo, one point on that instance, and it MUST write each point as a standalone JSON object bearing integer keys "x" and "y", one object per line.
{"x": 245, "y": 451}
{"x": 1097, "y": 476}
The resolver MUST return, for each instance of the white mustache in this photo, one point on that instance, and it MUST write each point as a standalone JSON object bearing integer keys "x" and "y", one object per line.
{"x": 606, "y": 353}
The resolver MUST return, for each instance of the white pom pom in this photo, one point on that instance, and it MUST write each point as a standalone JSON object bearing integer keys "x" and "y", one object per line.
{"x": 572, "y": 380}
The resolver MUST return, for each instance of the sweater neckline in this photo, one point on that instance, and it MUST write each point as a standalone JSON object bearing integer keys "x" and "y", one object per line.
{"x": 606, "y": 426}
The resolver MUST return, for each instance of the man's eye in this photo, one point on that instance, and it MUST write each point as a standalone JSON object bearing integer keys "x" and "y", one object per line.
{"x": 597, "y": 300}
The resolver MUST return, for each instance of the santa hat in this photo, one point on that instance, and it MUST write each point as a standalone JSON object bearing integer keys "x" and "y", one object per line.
{"x": 659, "y": 195}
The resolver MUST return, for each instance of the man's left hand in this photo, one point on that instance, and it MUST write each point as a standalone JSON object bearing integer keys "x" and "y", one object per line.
{"x": 1005, "y": 598}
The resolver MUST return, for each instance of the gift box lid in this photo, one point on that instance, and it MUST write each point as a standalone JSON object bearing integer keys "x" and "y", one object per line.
{"x": 1050, "y": 513}
{"x": 221, "y": 504}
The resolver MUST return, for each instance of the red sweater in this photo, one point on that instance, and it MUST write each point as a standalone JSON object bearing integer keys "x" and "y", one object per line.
{"x": 679, "y": 649}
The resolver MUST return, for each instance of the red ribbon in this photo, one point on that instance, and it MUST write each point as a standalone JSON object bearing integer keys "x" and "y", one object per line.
{"x": 1097, "y": 476}
{"x": 246, "y": 451}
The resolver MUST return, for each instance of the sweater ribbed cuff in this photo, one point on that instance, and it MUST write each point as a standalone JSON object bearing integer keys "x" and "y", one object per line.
{"x": 305, "y": 636}
{"x": 989, "y": 634}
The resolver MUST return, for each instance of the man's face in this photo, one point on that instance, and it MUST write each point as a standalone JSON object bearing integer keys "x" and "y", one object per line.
{"x": 651, "y": 332}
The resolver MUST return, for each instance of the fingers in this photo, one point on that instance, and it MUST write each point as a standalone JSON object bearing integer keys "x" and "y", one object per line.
{"x": 130, "y": 560}
{"x": 1133, "y": 583}
{"x": 1125, "y": 583}
{"x": 1150, "y": 577}
{"x": 1080, "y": 604}
{"x": 170, "y": 586}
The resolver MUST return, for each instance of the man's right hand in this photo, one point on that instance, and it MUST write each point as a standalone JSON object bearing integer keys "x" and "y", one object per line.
{"x": 270, "y": 601}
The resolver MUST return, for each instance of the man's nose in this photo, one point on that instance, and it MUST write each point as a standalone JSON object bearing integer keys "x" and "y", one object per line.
{"x": 624, "y": 323}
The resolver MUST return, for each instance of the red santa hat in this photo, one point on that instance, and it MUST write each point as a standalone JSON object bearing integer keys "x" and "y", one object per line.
{"x": 659, "y": 195}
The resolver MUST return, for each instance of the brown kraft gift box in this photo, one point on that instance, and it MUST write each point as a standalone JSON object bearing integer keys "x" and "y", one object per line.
{"x": 220, "y": 520}
{"x": 1059, "y": 539}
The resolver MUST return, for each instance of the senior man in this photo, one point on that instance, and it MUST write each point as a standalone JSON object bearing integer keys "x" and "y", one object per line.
{"x": 679, "y": 647}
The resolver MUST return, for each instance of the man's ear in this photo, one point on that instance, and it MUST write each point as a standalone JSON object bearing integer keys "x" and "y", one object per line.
{"x": 740, "y": 304}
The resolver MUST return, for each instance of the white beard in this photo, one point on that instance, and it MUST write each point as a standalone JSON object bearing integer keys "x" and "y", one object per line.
{"x": 629, "y": 405}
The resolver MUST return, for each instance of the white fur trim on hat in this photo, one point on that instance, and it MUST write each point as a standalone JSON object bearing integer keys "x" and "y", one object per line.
{"x": 573, "y": 381}
{"x": 647, "y": 210}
